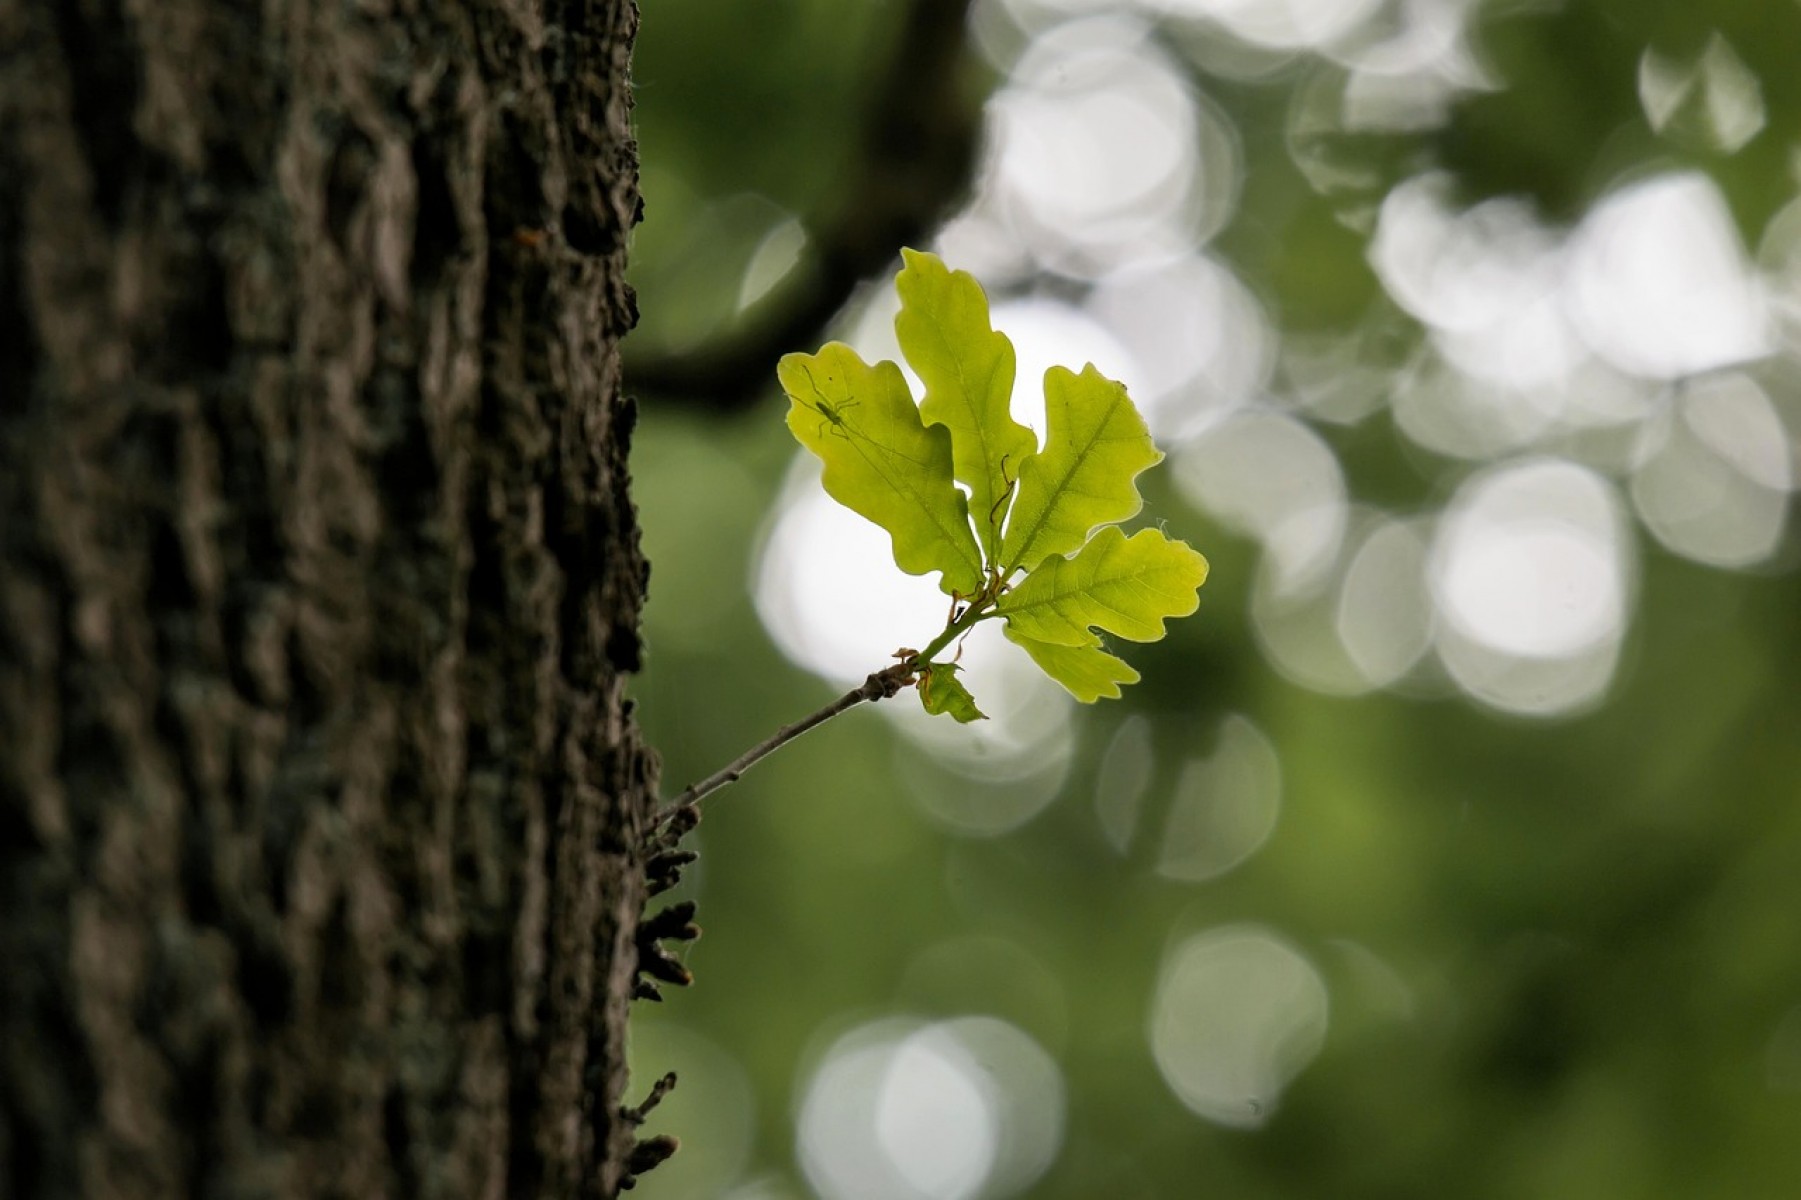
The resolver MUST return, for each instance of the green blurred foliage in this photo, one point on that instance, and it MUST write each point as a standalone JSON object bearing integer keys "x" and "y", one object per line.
{"x": 1571, "y": 121}
{"x": 719, "y": 86}
{"x": 1559, "y": 951}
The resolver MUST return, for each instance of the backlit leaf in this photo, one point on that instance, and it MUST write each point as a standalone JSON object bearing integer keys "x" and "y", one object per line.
{"x": 942, "y": 692}
{"x": 1086, "y": 672}
{"x": 882, "y": 461}
{"x": 967, "y": 369}
{"x": 1125, "y": 586}
{"x": 1094, "y": 448}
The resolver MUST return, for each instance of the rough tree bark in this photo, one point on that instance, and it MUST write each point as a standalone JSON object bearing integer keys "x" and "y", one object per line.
{"x": 320, "y": 799}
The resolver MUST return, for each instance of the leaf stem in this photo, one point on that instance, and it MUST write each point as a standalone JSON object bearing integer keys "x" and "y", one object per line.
{"x": 879, "y": 686}
{"x": 956, "y": 629}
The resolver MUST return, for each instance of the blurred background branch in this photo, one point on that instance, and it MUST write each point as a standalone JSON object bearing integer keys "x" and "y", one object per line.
{"x": 916, "y": 150}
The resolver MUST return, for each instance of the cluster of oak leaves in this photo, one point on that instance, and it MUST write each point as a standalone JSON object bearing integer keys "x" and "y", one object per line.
{"x": 1021, "y": 510}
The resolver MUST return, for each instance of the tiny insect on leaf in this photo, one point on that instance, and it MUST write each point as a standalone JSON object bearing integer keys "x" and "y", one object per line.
{"x": 882, "y": 461}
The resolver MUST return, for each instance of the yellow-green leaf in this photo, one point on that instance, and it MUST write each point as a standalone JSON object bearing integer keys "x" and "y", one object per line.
{"x": 1095, "y": 446}
{"x": 967, "y": 369}
{"x": 882, "y": 461}
{"x": 942, "y": 692}
{"x": 1086, "y": 672}
{"x": 1125, "y": 586}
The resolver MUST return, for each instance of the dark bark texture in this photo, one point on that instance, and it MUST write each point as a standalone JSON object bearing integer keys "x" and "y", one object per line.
{"x": 320, "y": 800}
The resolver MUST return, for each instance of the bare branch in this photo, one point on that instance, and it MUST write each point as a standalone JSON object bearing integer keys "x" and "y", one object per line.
{"x": 918, "y": 149}
{"x": 879, "y": 686}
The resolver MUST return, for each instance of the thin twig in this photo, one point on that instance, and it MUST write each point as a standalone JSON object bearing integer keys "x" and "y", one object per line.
{"x": 879, "y": 686}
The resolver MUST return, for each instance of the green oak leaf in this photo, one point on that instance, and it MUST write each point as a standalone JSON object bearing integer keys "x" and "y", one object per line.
{"x": 942, "y": 692}
{"x": 882, "y": 461}
{"x": 1086, "y": 672}
{"x": 967, "y": 369}
{"x": 1095, "y": 445}
{"x": 905, "y": 467}
{"x": 1125, "y": 586}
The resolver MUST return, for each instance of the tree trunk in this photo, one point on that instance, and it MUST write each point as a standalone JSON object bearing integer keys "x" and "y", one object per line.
{"x": 320, "y": 801}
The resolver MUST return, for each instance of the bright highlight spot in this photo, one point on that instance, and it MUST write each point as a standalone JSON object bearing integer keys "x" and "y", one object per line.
{"x": 1102, "y": 154}
{"x": 1384, "y": 617}
{"x": 1120, "y": 784}
{"x": 947, "y": 1111}
{"x": 1363, "y": 621}
{"x": 1716, "y": 490}
{"x": 1237, "y": 1015}
{"x": 1779, "y": 259}
{"x": 1713, "y": 101}
{"x": 1270, "y": 477}
{"x": 770, "y": 263}
{"x": 932, "y": 1121}
{"x": 1531, "y": 575}
{"x": 1201, "y": 341}
{"x": 1224, "y": 807}
{"x": 828, "y": 590}
{"x": 1488, "y": 284}
{"x": 1659, "y": 283}
{"x": 1528, "y": 561}
{"x": 1466, "y": 271}
{"x": 1538, "y": 590}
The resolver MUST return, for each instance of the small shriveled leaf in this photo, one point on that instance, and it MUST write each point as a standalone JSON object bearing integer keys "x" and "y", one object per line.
{"x": 967, "y": 369}
{"x": 1086, "y": 672}
{"x": 942, "y": 692}
{"x": 1095, "y": 446}
{"x": 1125, "y": 586}
{"x": 882, "y": 461}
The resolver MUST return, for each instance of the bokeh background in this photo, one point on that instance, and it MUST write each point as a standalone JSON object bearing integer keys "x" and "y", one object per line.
{"x": 1453, "y": 849}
